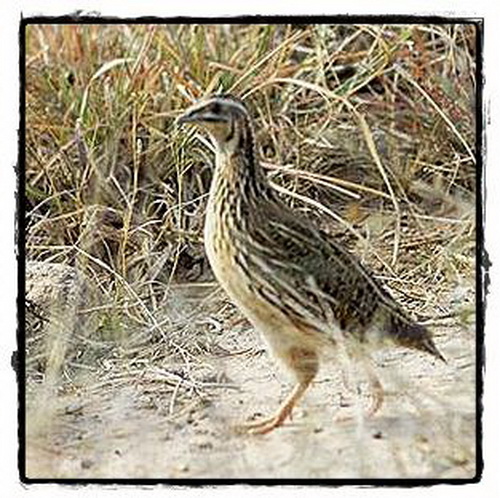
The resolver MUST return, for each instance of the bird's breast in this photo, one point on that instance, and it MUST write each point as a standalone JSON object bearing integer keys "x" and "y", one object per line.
{"x": 228, "y": 258}
{"x": 224, "y": 255}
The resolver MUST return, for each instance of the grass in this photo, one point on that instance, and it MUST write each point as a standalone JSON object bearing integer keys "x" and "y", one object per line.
{"x": 368, "y": 129}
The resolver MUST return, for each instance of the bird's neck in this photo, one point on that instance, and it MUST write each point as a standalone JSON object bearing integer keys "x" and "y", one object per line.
{"x": 237, "y": 164}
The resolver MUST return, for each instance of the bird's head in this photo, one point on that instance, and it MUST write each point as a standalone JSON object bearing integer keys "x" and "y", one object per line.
{"x": 223, "y": 116}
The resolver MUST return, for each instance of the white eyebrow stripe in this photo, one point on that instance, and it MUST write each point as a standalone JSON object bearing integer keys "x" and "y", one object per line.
{"x": 195, "y": 107}
{"x": 239, "y": 106}
{"x": 199, "y": 105}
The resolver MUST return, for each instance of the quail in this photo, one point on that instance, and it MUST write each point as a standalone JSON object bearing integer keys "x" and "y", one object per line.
{"x": 303, "y": 291}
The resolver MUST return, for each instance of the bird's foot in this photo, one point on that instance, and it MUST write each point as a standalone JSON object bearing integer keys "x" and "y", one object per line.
{"x": 265, "y": 425}
{"x": 376, "y": 399}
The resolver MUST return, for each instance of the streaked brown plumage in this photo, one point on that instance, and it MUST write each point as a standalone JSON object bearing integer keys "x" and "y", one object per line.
{"x": 298, "y": 287}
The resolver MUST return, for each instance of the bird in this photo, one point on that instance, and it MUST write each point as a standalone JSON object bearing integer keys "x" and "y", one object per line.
{"x": 303, "y": 291}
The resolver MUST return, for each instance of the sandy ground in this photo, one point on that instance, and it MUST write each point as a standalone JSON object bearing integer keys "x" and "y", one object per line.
{"x": 425, "y": 428}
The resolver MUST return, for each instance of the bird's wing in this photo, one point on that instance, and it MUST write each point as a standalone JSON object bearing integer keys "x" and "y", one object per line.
{"x": 311, "y": 273}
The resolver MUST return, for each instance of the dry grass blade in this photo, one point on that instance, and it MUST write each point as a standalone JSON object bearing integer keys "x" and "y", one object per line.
{"x": 440, "y": 111}
{"x": 336, "y": 183}
{"x": 373, "y": 151}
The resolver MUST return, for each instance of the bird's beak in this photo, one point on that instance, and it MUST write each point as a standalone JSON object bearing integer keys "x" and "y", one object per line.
{"x": 190, "y": 116}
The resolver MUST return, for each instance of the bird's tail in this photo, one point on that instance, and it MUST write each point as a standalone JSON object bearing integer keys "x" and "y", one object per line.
{"x": 411, "y": 335}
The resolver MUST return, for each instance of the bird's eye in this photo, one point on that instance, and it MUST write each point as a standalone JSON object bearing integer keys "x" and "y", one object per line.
{"x": 216, "y": 108}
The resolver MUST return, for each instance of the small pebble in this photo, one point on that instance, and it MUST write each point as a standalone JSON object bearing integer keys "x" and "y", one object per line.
{"x": 87, "y": 463}
{"x": 73, "y": 408}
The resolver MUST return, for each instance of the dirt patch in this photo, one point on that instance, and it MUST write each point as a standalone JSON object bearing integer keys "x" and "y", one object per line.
{"x": 113, "y": 426}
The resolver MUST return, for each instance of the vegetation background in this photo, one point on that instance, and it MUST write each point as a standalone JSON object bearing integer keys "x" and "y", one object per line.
{"x": 136, "y": 362}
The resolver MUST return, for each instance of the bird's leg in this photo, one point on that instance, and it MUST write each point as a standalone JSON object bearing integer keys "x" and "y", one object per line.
{"x": 305, "y": 365}
{"x": 377, "y": 390}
